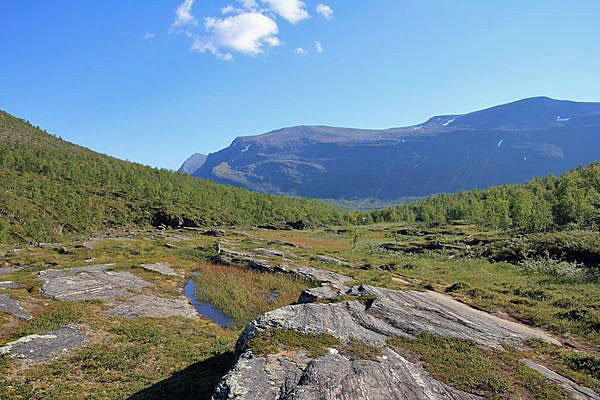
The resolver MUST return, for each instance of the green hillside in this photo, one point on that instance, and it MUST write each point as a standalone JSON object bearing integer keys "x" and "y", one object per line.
{"x": 569, "y": 201}
{"x": 51, "y": 189}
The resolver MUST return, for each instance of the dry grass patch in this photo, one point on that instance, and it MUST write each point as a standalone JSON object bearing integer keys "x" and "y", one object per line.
{"x": 315, "y": 240}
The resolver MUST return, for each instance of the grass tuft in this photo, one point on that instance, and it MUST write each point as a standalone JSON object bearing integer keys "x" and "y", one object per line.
{"x": 277, "y": 340}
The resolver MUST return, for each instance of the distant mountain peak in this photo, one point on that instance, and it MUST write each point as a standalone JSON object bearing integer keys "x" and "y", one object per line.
{"x": 193, "y": 163}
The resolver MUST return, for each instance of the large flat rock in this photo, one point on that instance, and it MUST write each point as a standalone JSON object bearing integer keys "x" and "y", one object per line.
{"x": 45, "y": 347}
{"x": 94, "y": 282}
{"x": 414, "y": 312}
{"x": 161, "y": 268}
{"x": 121, "y": 288}
{"x": 153, "y": 306}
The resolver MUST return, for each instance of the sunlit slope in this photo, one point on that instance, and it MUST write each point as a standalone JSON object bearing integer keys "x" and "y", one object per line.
{"x": 51, "y": 189}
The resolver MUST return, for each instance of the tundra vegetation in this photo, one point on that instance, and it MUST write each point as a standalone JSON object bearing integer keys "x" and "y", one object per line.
{"x": 520, "y": 278}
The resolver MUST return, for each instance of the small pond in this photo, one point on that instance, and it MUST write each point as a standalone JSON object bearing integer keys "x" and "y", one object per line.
{"x": 205, "y": 309}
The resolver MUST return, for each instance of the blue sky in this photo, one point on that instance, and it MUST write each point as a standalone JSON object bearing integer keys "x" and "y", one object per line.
{"x": 153, "y": 81}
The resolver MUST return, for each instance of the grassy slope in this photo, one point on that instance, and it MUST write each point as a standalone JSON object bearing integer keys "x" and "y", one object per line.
{"x": 51, "y": 189}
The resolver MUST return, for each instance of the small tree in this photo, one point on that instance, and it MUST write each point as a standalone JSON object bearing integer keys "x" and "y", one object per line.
{"x": 357, "y": 234}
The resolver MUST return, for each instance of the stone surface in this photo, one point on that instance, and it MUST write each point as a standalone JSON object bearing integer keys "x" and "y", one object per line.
{"x": 575, "y": 391}
{"x": 414, "y": 312}
{"x": 153, "y": 306}
{"x": 178, "y": 238}
{"x": 282, "y": 243}
{"x": 40, "y": 348}
{"x": 324, "y": 292}
{"x": 94, "y": 282}
{"x": 10, "y": 306}
{"x": 9, "y": 285}
{"x": 294, "y": 375}
{"x": 161, "y": 268}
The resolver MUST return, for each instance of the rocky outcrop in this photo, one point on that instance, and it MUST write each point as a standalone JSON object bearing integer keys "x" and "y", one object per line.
{"x": 395, "y": 313}
{"x": 333, "y": 376}
{"x": 376, "y": 315}
{"x": 299, "y": 225}
{"x": 162, "y": 219}
{"x": 9, "y": 285}
{"x": 8, "y": 270}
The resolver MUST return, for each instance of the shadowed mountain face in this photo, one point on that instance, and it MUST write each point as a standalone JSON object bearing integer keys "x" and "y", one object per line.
{"x": 510, "y": 143}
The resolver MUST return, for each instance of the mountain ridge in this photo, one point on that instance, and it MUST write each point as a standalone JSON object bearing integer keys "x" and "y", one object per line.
{"x": 509, "y": 143}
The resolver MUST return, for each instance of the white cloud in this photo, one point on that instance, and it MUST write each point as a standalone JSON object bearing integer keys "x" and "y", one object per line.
{"x": 229, "y": 9}
{"x": 292, "y": 10}
{"x": 301, "y": 51}
{"x": 325, "y": 11}
{"x": 250, "y": 4}
{"x": 149, "y": 36}
{"x": 318, "y": 46}
{"x": 246, "y": 33}
{"x": 183, "y": 15}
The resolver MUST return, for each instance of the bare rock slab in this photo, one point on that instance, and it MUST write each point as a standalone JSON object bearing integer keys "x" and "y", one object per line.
{"x": 10, "y": 306}
{"x": 153, "y": 306}
{"x": 414, "y": 312}
{"x": 397, "y": 313}
{"x": 94, "y": 282}
{"x": 161, "y": 268}
{"x": 40, "y": 348}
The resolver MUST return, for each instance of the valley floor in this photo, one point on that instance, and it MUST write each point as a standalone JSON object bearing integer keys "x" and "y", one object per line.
{"x": 130, "y": 317}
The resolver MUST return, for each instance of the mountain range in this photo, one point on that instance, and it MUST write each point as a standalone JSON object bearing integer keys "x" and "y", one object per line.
{"x": 510, "y": 143}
